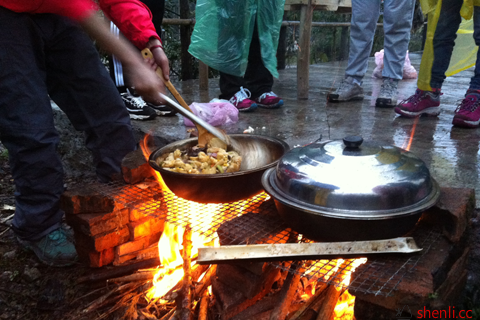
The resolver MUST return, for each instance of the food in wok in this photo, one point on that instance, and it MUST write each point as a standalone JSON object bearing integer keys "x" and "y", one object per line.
{"x": 198, "y": 160}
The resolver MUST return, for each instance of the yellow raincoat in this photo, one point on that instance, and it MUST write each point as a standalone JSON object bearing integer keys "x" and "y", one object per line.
{"x": 465, "y": 51}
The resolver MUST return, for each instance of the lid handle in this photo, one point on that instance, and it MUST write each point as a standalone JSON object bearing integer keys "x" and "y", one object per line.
{"x": 353, "y": 141}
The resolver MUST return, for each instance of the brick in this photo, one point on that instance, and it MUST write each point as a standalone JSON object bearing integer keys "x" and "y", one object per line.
{"x": 147, "y": 209}
{"x": 84, "y": 200}
{"x": 146, "y": 253}
{"x": 136, "y": 245}
{"x": 135, "y": 168}
{"x": 96, "y": 259}
{"x": 145, "y": 226}
{"x": 93, "y": 224}
{"x": 102, "y": 241}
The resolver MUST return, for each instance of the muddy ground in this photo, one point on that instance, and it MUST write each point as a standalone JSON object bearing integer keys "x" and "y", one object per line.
{"x": 31, "y": 290}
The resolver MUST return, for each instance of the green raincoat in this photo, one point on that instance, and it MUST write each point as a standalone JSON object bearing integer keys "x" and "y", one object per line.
{"x": 223, "y": 32}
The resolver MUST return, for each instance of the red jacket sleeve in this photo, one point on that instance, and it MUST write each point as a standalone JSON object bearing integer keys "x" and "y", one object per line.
{"x": 133, "y": 18}
{"x": 74, "y": 9}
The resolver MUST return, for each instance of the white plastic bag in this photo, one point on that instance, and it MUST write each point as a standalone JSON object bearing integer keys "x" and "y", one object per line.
{"x": 216, "y": 112}
{"x": 409, "y": 71}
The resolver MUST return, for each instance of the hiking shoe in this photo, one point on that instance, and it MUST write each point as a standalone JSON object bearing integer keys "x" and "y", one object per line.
{"x": 422, "y": 102}
{"x": 137, "y": 107}
{"x": 387, "y": 98}
{"x": 162, "y": 110}
{"x": 348, "y": 90}
{"x": 269, "y": 100}
{"x": 56, "y": 249}
{"x": 467, "y": 114}
{"x": 241, "y": 100}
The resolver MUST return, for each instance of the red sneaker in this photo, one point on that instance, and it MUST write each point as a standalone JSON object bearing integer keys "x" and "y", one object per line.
{"x": 269, "y": 100}
{"x": 241, "y": 100}
{"x": 422, "y": 102}
{"x": 467, "y": 114}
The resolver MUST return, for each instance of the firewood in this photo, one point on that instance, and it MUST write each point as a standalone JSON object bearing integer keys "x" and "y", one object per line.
{"x": 205, "y": 282}
{"x": 329, "y": 303}
{"x": 203, "y": 314}
{"x": 266, "y": 304}
{"x": 288, "y": 292}
{"x": 272, "y": 277}
{"x": 119, "y": 271}
{"x": 185, "y": 307}
{"x": 142, "y": 276}
{"x": 331, "y": 296}
{"x": 311, "y": 304}
{"x": 117, "y": 293}
{"x": 169, "y": 314}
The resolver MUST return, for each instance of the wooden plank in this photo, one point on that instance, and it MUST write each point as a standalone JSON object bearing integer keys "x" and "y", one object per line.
{"x": 303, "y": 61}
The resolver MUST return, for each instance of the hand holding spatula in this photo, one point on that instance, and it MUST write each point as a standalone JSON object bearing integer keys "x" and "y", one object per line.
{"x": 207, "y": 134}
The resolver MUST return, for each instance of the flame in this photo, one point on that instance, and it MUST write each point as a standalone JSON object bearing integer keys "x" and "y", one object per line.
{"x": 346, "y": 302}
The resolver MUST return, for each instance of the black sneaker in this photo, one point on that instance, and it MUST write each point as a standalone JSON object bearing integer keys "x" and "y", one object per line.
{"x": 137, "y": 107}
{"x": 162, "y": 110}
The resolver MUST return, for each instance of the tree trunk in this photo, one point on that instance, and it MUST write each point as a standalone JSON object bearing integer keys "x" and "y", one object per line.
{"x": 185, "y": 33}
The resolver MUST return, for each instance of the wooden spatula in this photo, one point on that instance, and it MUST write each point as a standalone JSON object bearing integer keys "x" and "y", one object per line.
{"x": 204, "y": 136}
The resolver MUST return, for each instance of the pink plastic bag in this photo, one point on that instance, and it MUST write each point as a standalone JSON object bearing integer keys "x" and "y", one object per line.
{"x": 409, "y": 71}
{"x": 216, "y": 113}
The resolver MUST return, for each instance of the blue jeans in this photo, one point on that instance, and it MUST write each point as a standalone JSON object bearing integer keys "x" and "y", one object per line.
{"x": 444, "y": 41}
{"x": 41, "y": 57}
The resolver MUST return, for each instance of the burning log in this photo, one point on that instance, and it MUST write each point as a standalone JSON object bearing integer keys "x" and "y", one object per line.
{"x": 328, "y": 305}
{"x": 259, "y": 308}
{"x": 119, "y": 271}
{"x": 203, "y": 313}
{"x": 141, "y": 276}
{"x": 311, "y": 306}
{"x": 206, "y": 282}
{"x": 288, "y": 292}
{"x": 185, "y": 307}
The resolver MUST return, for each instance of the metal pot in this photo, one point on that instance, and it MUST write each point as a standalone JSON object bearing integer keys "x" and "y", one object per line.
{"x": 350, "y": 190}
{"x": 259, "y": 154}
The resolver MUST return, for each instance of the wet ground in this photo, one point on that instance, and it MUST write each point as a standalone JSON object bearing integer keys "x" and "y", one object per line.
{"x": 451, "y": 153}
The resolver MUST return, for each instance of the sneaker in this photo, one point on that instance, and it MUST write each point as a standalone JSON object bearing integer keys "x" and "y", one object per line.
{"x": 387, "y": 98}
{"x": 467, "y": 113}
{"x": 162, "y": 110}
{"x": 422, "y": 102}
{"x": 241, "y": 100}
{"x": 348, "y": 90}
{"x": 137, "y": 107}
{"x": 269, "y": 100}
{"x": 56, "y": 249}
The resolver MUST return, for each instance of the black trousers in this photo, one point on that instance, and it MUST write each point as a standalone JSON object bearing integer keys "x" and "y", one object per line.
{"x": 47, "y": 56}
{"x": 257, "y": 78}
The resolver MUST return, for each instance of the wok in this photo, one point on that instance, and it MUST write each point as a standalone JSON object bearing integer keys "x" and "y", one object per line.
{"x": 259, "y": 153}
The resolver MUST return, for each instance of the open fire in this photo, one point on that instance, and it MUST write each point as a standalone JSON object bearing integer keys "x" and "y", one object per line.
{"x": 332, "y": 301}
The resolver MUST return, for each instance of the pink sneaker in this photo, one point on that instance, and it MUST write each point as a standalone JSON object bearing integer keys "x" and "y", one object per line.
{"x": 269, "y": 100}
{"x": 242, "y": 102}
{"x": 468, "y": 112}
{"x": 422, "y": 102}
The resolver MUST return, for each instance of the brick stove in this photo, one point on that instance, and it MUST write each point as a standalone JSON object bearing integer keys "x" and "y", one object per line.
{"x": 117, "y": 224}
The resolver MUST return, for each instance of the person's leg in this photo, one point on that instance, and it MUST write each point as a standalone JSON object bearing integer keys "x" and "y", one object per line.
{"x": 441, "y": 33}
{"x": 257, "y": 77}
{"x": 81, "y": 87}
{"x": 467, "y": 114}
{"x": 397, "y": 24}
{"x": 27, "y": 131}
{"x": 364, "y": 20}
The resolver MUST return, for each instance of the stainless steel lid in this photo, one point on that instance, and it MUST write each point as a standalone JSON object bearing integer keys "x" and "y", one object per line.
{"x": 352, "y": 179}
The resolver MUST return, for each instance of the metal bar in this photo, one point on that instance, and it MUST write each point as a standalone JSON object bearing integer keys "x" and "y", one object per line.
{"x": 303, "y": 251}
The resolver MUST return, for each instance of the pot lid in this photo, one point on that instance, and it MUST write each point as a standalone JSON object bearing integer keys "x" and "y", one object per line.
{"x": 353, "y": 178}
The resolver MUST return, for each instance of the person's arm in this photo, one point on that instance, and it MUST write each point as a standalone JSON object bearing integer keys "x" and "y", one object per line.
{"x": 134, "y": 20}
{"x": 144, "y": 79}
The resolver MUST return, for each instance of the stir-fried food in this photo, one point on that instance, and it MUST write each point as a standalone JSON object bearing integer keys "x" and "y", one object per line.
{"x": 197, "y": 160}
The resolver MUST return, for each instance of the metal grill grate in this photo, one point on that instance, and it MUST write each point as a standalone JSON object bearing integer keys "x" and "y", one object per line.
{"x": 256, "y": 220}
